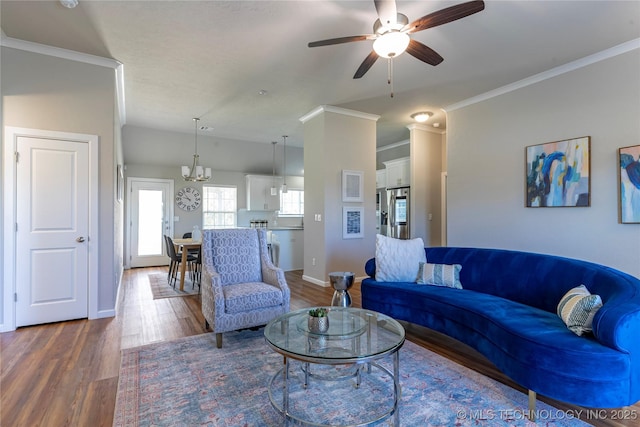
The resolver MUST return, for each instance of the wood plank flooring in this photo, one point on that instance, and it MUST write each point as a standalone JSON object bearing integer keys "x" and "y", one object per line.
{"x": 66, "y": 374}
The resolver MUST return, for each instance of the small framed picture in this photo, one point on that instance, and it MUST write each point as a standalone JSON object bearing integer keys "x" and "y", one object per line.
{"x": 629, "y": 164}
{"x": 352, "y": 222}
{"x": 352, "y": 186}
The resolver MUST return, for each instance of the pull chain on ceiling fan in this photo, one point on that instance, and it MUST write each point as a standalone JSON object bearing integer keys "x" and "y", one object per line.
{"x": 391, "y": 34}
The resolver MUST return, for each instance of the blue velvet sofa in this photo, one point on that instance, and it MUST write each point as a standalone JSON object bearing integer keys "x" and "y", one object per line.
{"x": 507, "y": 311}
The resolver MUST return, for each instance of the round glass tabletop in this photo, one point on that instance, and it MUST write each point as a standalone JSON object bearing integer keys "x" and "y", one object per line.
{"x": 354, "y": 335}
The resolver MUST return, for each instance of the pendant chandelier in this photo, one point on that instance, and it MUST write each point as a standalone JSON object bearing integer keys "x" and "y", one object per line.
{"x": 196, "y": 173}
{"x": 284, "y": 164}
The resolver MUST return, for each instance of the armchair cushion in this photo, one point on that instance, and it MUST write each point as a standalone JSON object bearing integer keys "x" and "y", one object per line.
{"x": 241, "y": 297}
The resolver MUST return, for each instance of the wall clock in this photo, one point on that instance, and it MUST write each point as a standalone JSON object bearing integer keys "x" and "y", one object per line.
{"x": 188, "y": 199}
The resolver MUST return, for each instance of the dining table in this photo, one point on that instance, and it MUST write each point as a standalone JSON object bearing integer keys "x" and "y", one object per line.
{"x": 184, "y": 245}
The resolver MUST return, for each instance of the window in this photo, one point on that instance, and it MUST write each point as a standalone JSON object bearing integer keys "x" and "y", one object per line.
{"x": 292, "y": 203}
{"x": 219, "y": 206}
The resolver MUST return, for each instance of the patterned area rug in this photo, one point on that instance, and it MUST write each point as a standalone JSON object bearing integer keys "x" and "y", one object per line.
{"x": 161, "y": 289}
{"x": 191, "y": 382}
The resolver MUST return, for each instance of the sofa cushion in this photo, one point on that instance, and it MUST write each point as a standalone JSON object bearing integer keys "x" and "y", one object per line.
{"x": 529, "y": 344}
{"x": 398, "y": 260}
{"x": 250, "y": 296}
{"x": 440, "y": 275}
{"x": 577, "y": 309}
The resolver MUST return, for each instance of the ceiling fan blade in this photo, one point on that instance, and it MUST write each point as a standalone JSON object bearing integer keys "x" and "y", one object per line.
{"x": 340, "y": 40}
{"x": 446, "y": 15}
{"x": 366, "y": 64}
{"x": 424, "y": 53}
{"x": 387, "y": 11}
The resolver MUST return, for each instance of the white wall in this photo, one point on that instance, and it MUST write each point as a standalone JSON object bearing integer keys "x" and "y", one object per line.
{"x": 426, "y": 168}
{"x": 49, "y": 93}
{"x": 337, "y": 139}
{"x": 145, "y": 146}
{"x": 486, "y": 165}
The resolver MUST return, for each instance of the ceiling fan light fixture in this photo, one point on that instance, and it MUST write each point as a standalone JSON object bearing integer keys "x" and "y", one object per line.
{"x": 391, "y": 44}
{"x": 422, "y": 116}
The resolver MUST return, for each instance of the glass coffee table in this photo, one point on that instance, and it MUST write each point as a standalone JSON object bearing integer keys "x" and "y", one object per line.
{"x": 351, "y": 350}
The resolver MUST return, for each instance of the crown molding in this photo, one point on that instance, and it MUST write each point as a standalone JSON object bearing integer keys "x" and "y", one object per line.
{"x": 72, "y": 55}
{"x": 393, "y": 145}
{"x": 545, "y": 75}
{"x": 59, "y": 52}
{"x": 331, "y": 109}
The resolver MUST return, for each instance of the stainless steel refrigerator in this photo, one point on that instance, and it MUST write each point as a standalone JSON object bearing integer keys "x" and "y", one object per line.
{"x": 398, "y": 210}
{"x": 381, "y": 211}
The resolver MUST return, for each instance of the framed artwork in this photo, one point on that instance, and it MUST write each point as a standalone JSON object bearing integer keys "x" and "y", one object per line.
{"x": 629, "y": 164}
{"x": 120, "y": 183}
{"x": 352, "y": 186}
{"x": 352, "y": 222}
{"x": 558, "y": 174}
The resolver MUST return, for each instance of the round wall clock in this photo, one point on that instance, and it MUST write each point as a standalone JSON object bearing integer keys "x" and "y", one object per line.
{"x": 188, "y": 199}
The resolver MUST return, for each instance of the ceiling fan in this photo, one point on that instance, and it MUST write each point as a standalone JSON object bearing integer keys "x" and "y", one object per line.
{"x": 392, "y": 29}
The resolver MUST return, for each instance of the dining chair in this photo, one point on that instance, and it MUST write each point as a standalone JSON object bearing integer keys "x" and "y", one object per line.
{"x": 176, "y": 259}
{"x": 171, "y": 258}
{"x": 241, "y": 288}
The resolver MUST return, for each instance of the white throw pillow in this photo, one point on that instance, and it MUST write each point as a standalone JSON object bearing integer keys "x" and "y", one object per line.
{"x": 577, "y": 308}
{"x": 398, "y": 260}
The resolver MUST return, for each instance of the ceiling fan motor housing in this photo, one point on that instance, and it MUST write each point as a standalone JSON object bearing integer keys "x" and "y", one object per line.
{"x": 401, "y": 22}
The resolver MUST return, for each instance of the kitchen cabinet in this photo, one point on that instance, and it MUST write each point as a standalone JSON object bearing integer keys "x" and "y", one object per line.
{"x": 381, "y": 178}
{"x": 259, "y": 196}
{"x": 398, "y": 172}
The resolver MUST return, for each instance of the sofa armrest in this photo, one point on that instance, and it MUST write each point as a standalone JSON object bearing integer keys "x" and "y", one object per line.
{"x": 370, "y": 268}
{"x": 618, "y": 326}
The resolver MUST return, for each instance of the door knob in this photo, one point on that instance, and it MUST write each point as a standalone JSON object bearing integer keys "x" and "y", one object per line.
{"x": 80, "y": 239}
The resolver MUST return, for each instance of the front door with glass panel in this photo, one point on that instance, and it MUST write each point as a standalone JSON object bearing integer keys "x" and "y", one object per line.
{"x": 150, "y": 211}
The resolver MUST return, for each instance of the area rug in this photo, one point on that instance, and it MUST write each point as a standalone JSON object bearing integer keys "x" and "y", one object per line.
{"x": 191, "y": 382}
{"x": 160, "y": 288}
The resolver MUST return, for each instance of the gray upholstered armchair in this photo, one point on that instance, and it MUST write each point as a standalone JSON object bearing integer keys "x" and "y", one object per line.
{"x": 241, "y": 288}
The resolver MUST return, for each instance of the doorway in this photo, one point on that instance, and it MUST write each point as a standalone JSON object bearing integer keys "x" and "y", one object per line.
{"x": 51, "y": 239}
{"x": 150, "y": 211}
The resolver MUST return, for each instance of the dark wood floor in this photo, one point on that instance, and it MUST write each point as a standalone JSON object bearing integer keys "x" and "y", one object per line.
{"x": 66, "y": 374}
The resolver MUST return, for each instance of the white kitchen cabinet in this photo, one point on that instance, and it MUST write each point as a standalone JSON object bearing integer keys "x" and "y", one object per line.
{"x": 398, "y": 172}
{"x": 381, "y": 178}
{"x": 259, "y": 196}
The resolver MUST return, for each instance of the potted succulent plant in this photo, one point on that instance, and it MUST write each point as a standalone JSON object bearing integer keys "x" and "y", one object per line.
{"x": 318, "y": 320}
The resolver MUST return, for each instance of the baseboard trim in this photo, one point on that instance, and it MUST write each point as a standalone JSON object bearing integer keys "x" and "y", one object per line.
{"x": 102, "y": 314}
{"x": 315, "y": 281}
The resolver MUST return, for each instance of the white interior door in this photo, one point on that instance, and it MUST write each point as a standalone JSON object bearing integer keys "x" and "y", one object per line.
{"x": 150, "y": 219}
{"x": 52, "y": 211}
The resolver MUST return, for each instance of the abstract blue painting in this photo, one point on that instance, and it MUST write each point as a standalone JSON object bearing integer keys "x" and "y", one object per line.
{"x": 558, "y": 173}
{"x": 630, "y": 184}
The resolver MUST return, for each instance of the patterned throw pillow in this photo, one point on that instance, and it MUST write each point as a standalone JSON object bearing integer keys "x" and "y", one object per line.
{"x": 440, "y": 275}
{"x": 577, "y": 308}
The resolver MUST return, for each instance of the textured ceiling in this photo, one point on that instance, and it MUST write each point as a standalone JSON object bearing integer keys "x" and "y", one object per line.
{"x": 210, "y": 59}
